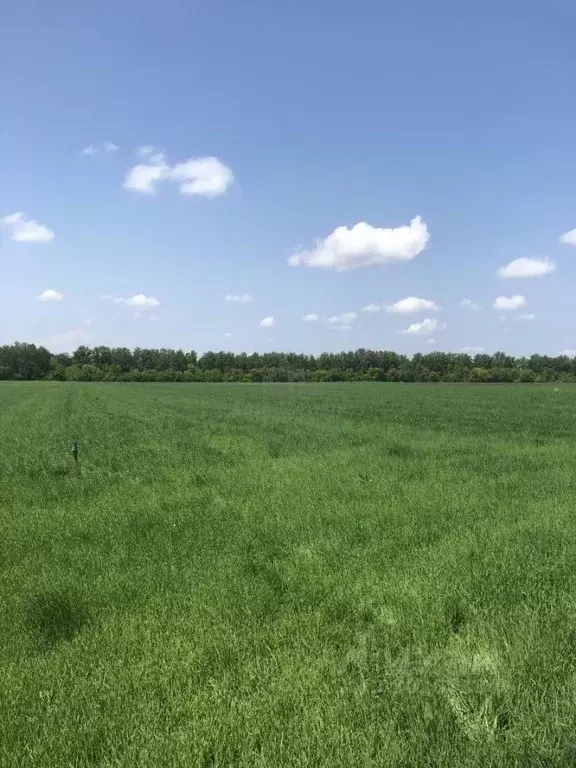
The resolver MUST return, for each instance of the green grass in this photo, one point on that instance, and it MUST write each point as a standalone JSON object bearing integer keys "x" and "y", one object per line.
{"x": 340, "y": 575}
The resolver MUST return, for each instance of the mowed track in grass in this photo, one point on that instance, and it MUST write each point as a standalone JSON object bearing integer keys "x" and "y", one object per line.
{"x": 309, "y": 575}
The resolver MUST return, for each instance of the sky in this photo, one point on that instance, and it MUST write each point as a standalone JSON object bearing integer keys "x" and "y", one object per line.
{"x": 310, "y": 176}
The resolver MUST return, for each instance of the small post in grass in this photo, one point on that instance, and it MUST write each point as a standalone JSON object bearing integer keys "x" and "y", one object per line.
{"x": 75, "y": 450}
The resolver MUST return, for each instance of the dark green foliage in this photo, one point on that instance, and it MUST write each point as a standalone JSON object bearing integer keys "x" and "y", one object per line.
{"x": 26, "y": 361}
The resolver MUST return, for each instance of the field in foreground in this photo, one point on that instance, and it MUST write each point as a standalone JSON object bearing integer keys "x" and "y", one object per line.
{"x": 340, "y": 575}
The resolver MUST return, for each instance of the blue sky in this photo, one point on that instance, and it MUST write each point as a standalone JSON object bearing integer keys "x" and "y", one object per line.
{"x": 300, "y": 121}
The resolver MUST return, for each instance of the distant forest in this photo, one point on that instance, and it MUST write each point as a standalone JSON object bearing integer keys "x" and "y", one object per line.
{"x": 27, "y": 362}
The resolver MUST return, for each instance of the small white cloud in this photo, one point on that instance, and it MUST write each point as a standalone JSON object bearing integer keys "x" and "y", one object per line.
{"x": 569, "y": 352}
{"x": 473, "y": 350}
{"x": 242, "y": 298}
{"x": 118, "y": 299}
{"x": 25, "y": 230}
{"x": 144, "y": 150}
{"x": 527, "y": 268}
{"x": 371, "y": 308}
{"x": 568, "y": 238}
{"x": 509, "y": 302}
{"x": 144, "y": 177}
{"x": 204, "y": 176}
{"x": 68, "y": 341}
{"x": 228, "y": 335}
{"x": 141, "y": 301}
{"x": 425, "y": 328}
{"x": 51, "y": 295}
{"x": 527, "y": 317}
{"x": 87, "y": 321}
{"x": 364, "y": 245}
{"x": 154, "y": 317}
{"x": 137, "y": 314}
{"x": 267, "y": 322}
{"x": 431, "y": 341}
{"x": 469, "y": 304}
{"x": 106, "y": 147}
{"x": 106, "y": 297}
{"x": 345, "y": 319}
{"x": 310, "y": 318}
{"x": 412, "y": 304}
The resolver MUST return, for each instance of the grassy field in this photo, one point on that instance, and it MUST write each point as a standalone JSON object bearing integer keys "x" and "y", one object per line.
{"x": 324, "y": 575}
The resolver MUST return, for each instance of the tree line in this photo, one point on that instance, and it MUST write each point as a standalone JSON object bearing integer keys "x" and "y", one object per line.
{"x": 26, "y": 362}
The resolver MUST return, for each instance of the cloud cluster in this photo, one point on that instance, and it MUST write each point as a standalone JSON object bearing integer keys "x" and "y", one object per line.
{"x": 509, "y": 302}
{"x": 527, "y": 268}
{"x": 242, "y": 298}
{"x": 204, "y": 176}
{"x": 26, "y": 230}
{"x": 138, "y": 301}
{"x": 105, "y": 148}
{"x": 364, "y": 245}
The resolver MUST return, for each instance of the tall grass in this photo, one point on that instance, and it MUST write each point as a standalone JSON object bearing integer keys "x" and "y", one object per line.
{"x": 340, "y": 575}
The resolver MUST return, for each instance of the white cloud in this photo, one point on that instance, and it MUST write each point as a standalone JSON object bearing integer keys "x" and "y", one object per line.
{"x": 228, "y": 335}
{"x": 106, "y": 147}
{"x": 141, "y": 301}
{"x": 138, "y": 301}
{"x": 68, "y": 341}
{"x": 26, "y": 230}
{"x": 310, "y": 318}
{"x": 242, "y": 298}
{"x": 473, "y": 350}
{"x": 527, "y": 317}
{"x": 345, "y": 319}
{"x": 87, "y": 321}
{"x": 568, "y": 238}
{"x": 425, "y": 328}
{"x": 470, "y": 305}
{"x": 569, "y": 352}
{"x": 431, "y": 341}
{"x": 364, "y": 245}
{"x": 412, "y": 304}
{"x": 205, "y": 176}
{"x": 509, "y": 302}
{"x": 144, "y": 177}
{"x": 144, "y": 150}
{"x": 267, "y": 322}
{"x": 51, "y": 295}
{"x": 371, "y": 308}
{"x": 527, "y": 268}
{"x": 154, "y": 317}
{"x": 137, "y": 314}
